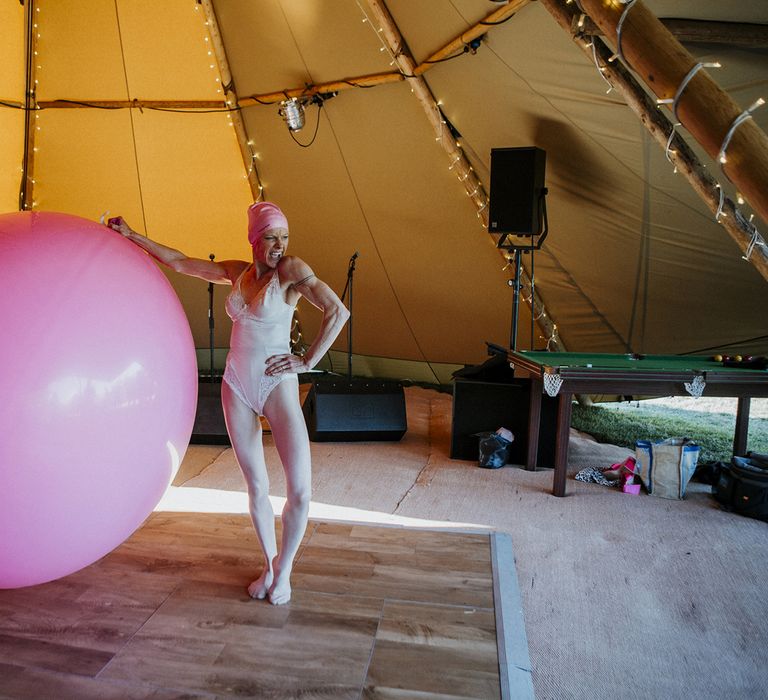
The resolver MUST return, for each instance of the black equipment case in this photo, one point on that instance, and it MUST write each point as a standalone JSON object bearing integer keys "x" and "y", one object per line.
{"x": 742, "y": 486}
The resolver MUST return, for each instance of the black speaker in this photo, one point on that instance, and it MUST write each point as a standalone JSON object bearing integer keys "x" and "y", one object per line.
{"x": 517, "y": 181}
{"x": 209, "y": 427}
{"x": 337, "y": 410}
{"x": 486, "y": 406}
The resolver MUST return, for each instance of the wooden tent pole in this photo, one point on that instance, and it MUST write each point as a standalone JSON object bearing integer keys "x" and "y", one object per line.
{"x": 459, "y": 161}
{"x": 700, "y": 31}
{"x": 230, "y": 97}
{"x": 360, "y": 81}
{"x": 127, "y": 104}
{"x": 705, "y": 110}
{"x": 458, "y": 44}
{"x": 709, "y": 32}
{"x": 660, "y": 127}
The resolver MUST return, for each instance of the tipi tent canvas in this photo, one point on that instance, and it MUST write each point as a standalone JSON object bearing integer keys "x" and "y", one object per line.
{"x": 168, "y": 113}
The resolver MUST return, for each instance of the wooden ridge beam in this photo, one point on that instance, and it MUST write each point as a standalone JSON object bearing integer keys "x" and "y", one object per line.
{"x": 697, "y": 31}
{"x": 700, "y": 31}
{"x": 195, "y": 105}
{"x": 472, "y": 183}
{"x": 660, "y": 127}
{"x": 706, "y": 111}
{"x": 266, "y": 98}
{"x": 361, "y": 81}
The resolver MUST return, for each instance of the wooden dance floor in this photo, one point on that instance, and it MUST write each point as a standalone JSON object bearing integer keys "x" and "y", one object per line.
{"x": 377, "y": 612}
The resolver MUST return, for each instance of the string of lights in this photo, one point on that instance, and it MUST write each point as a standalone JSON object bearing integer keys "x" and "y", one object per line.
{"x": 746, "y": 114}
{"x": 629, "y": 4}
{"x": 384, "y": 47}
{"x": 219, "y": 65}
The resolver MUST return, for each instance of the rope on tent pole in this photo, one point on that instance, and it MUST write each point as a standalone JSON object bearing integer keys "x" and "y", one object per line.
{"x": 26, "y": 198}
{"x": 130, "y": 114}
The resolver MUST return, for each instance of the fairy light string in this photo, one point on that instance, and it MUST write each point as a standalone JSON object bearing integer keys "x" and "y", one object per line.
{"x": 628, "y": 5}
{"x": 746, "y": 114}
{"x": 219, "y": 65}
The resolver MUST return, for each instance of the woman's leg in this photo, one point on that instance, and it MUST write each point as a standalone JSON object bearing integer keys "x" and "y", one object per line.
{"x": 283, "y": 411}
{"x": 244, "y": 428}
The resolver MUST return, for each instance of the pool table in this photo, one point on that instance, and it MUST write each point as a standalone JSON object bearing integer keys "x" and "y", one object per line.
{"x": 563, "y": 374}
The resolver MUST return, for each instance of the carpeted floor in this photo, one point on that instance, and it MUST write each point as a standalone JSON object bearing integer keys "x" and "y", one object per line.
{"x": 623, "y": 596}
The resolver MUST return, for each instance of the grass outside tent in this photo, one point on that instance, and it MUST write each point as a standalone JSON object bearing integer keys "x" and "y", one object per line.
{"x": 709, "y": 422}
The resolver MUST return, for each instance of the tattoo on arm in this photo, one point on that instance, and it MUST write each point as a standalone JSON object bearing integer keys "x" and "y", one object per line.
{"x": 308, "y": 277}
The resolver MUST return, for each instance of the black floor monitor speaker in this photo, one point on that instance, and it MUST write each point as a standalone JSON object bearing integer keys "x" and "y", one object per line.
{"x": 517, "y": 181}
{"x": 486, "y": 406}
{"x": 209, "y": 427}
{"x": 337, "y": 410}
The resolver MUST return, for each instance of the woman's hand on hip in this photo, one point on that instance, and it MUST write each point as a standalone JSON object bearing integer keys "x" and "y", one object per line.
{"x": 280, "y": 364}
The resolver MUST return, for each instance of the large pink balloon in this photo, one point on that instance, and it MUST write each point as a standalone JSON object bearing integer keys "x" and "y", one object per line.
{"x": 98, "y": 388}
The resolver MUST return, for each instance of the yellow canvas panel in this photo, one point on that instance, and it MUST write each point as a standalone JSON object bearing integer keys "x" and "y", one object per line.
{"x": 84, "y": 163}
{"x": 262, "y": 53}
{"x": 443, "y": 269}
{"x": 427, "y": 30}
{"x": 107, "y": 50}
{"x": 194, "y": 190}
{"x": 315, "y": 23}
{"x": 168, "y": 50}
{"x": 79, "y": 51}
{"x": 11, "y": 157}
{"x": 12, "y": 55}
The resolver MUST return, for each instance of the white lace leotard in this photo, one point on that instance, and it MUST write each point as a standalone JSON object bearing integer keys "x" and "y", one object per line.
{"x": 259, "y": 330}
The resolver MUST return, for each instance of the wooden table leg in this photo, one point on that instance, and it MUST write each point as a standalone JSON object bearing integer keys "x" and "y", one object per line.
{"x": 561, "y": 443}
{"x": 742, "y": 426}
{"x": 534, "y": 421}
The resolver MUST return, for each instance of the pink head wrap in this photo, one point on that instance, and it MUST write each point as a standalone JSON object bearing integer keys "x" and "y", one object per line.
{"x": 263, "y": 216}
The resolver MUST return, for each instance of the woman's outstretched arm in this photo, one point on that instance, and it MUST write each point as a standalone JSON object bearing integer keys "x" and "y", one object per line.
{"x": 224, "y": 272}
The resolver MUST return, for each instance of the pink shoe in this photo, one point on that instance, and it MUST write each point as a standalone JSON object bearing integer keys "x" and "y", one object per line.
{"x": 620, "y": 469}
{"x": 628, "y": 485}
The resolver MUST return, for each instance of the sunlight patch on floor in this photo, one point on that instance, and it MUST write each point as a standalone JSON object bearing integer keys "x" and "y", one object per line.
{"x": 180, "y": 499}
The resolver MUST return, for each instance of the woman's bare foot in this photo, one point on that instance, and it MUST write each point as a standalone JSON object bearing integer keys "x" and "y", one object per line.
{"x": 280, "y": 590}
{"x": 260, "y": 587}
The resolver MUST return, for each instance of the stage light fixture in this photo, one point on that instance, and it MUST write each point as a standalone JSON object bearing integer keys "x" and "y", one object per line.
{"x": 292, "y": 111}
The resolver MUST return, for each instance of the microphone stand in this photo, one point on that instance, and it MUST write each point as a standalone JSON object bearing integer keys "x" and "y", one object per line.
{"x": 210, "y": 318}
{"x": 348, "y": 286}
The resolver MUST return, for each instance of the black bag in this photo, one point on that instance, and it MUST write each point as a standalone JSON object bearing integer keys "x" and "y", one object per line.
{"x": 742, "y": 486}
{"x": 494, "y": 450}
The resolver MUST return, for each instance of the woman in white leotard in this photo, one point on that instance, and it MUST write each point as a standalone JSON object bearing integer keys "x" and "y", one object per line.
{"x": 260, "y": 375}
